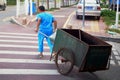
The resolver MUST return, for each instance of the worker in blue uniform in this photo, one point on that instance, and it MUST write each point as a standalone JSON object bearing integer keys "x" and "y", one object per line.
{"x": 46, "y": 24}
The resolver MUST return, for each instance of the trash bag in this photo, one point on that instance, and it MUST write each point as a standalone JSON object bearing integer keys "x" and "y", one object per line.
{"x": 52, "y": 37}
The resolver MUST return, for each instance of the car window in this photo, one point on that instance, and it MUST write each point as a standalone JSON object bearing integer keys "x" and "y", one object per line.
{"x": 89, "y": 1}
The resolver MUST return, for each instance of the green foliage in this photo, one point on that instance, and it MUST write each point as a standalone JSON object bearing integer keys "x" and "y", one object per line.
{"x": 22, "y": 0}
{"x": 104, "y": 5}
{"x": 104, "y": 1}
{"x": 52, "y": 9}
{"x": 108, "y": 16}
{"x": 108, "y": 13}
{"x": 11, "y": 2}
{"x": 109, "y": 21}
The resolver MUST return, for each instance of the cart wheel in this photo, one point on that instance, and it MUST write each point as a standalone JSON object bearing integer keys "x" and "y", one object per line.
{"x": 64, "y": 61}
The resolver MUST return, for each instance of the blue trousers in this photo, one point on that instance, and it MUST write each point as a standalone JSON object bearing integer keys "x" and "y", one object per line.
{"x": 41, "y": 39}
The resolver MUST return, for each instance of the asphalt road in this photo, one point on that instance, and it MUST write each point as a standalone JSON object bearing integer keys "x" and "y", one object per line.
{"x": 5, "y": 15}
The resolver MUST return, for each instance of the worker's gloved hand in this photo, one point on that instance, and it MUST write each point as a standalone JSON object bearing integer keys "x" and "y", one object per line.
{"x": 36, "y": 30}
{"x": 55, "y": 30}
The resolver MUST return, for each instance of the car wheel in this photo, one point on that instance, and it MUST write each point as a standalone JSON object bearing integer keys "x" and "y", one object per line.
{"x": 77, "y": 17}
{"x": 98, "y": 17}
{"x": 4, "y": 7}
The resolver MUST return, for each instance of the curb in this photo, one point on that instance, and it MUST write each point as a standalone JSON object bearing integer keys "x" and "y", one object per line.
{"x": 13, "y": 20}
{"x": 109, "y": 39}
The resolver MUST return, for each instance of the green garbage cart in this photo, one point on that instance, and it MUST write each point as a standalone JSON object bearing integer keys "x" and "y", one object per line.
{"x": 75, "y": 47}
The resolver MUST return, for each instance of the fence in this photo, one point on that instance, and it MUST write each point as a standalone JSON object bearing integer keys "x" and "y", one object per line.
{"x": 22, "y": 8}
{"x": 67, "y": 2}
{"x": 56, "y": 3}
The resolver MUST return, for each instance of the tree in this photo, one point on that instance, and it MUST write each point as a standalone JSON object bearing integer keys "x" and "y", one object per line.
{"x": 104, "y": 1}
{"x": 11, "y": 2}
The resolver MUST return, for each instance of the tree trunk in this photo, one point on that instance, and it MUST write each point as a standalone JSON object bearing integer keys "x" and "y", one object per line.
{"x": 37, "y": 3}
{"x": 63, "y": 2}
{"x": 55, "y": 3}
{"x": 48, "y": 4}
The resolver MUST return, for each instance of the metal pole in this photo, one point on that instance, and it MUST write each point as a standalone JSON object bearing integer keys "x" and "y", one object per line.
{"x": 117, "y": 15}
{"x": 83, "y": 23}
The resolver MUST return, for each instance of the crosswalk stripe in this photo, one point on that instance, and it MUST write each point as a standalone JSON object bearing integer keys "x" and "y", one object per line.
{"x": 7, "y": 60}
{"x": 21, "y": 46}
{"x": 34, "y": 40}
{"x": 29, "y": 71}
{"x": 18, "y": 34}
{"x": 18, "y": 37}
{"x": 19, "y": 41}
{"x": 22, "y": 52}
{"x": 22, "y": 41}
{"x": 7, "y": 40}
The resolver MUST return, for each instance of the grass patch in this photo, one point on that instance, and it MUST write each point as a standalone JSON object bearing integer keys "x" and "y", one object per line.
{"x": 114, "y": 30}
{"x": 104, "y": 5}
{"x": 109, "y": 19}
{"x": 11, "y": 2}
{"x": 108, "y": 16}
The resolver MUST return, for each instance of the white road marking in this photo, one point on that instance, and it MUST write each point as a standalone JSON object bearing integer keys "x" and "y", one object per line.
{"x": 59, "y": 16}
{"x": 19, "y": 41}
{"x": 69, "y": 18}
{"x": 18, "y": 34}
{"x": 21, "y": 46}
{"x": 22, "y": 52}
{"x": 18, "y": 37}
{"x": 7, "y": 60}
{"x": 29, "y": 71}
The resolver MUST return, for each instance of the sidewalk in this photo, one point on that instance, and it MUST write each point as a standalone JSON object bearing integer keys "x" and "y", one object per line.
{"x": 60, "y": 15}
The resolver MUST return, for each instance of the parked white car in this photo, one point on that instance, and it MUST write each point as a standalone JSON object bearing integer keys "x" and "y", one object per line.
{"x": 3, "y": 4}
{"x": 92, "y": 8}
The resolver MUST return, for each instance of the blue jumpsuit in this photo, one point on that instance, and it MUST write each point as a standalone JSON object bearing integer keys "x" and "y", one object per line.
{"x": 45, "y": 27}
